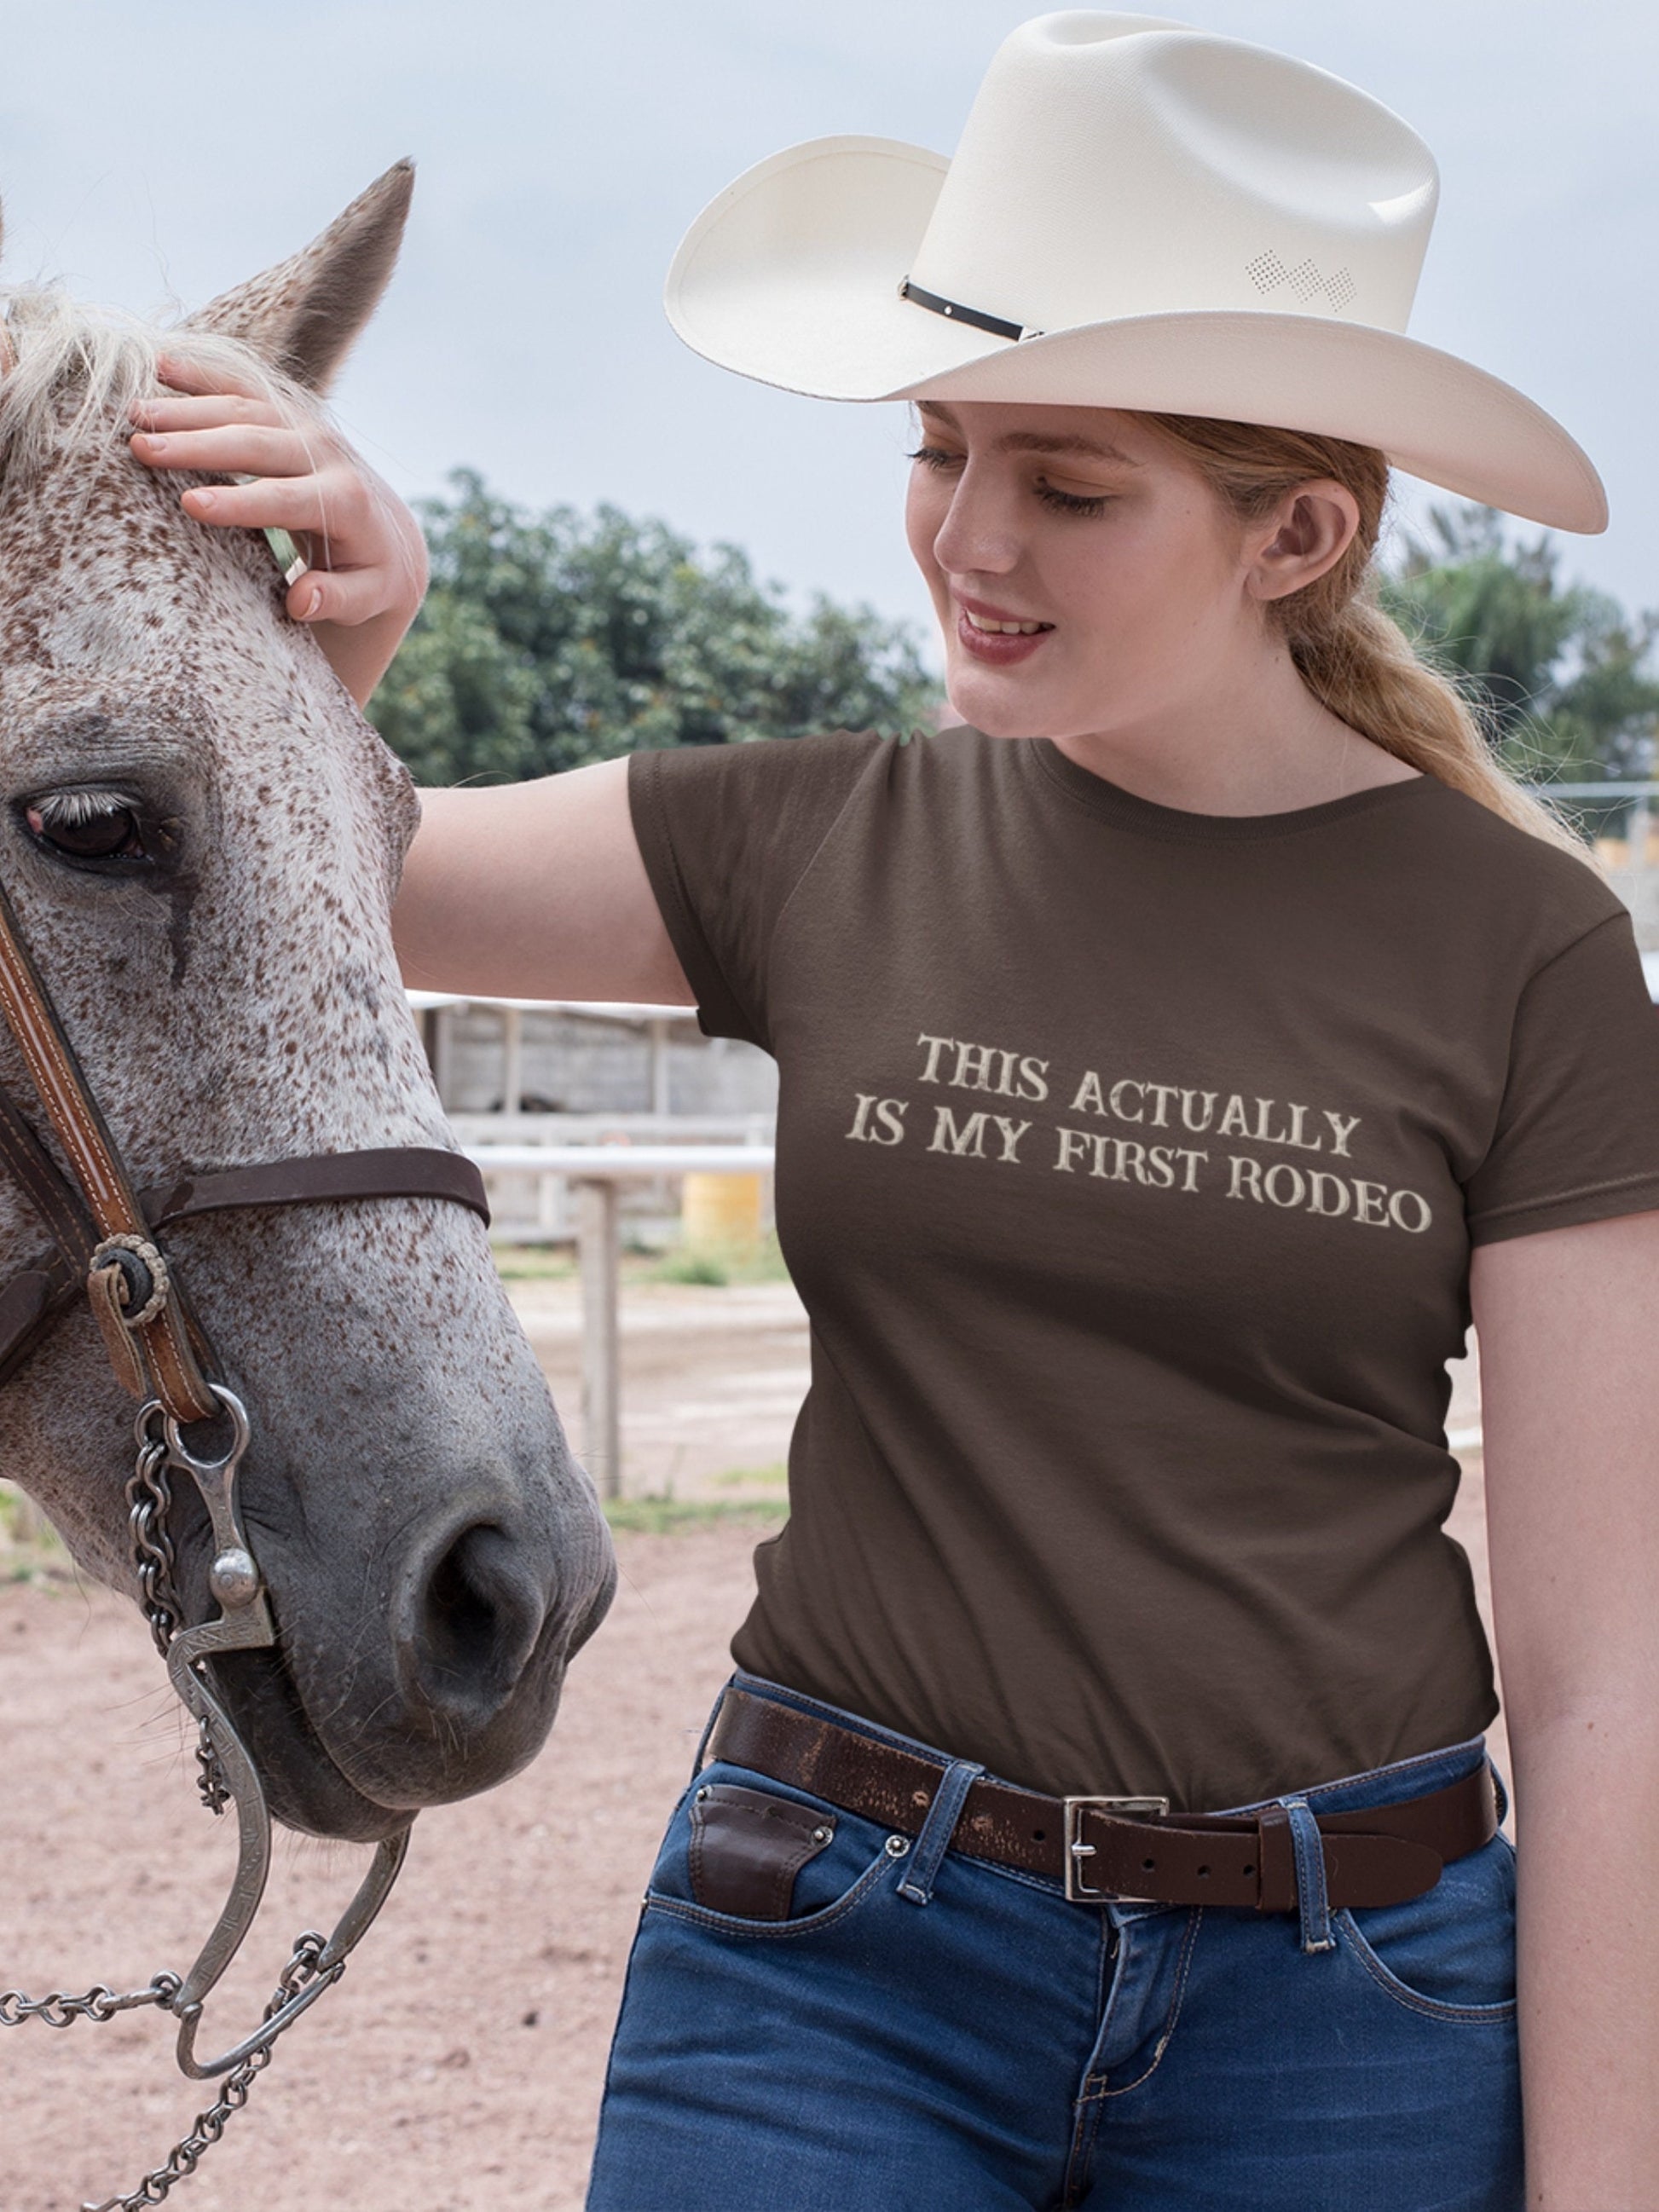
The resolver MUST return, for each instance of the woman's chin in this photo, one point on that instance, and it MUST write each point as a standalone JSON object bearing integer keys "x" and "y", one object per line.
{"x": 995, "y": 706}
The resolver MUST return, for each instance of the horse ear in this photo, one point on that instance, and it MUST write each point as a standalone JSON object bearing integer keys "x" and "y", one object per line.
{"x": 303, "y": 315}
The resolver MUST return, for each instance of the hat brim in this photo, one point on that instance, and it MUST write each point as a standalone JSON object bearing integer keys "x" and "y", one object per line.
{"x": 792, "y": 276}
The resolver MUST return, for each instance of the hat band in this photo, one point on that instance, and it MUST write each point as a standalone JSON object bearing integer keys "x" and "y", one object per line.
{"x": 998, "y": 325}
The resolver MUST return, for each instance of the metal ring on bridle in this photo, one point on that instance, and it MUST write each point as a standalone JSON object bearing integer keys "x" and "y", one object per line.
{"x": 180, "y": 1452}
{"x": 143, "y": 1272}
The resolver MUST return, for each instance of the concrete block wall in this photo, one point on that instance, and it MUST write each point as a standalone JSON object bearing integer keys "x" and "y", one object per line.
{"x": 575, "y": 1064}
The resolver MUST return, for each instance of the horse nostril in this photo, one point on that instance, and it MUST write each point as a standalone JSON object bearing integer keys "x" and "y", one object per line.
{"x": 475, "y": 1623}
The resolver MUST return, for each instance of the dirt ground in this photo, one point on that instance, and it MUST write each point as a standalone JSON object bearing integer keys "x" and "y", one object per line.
{"x": 458, "y": 2064}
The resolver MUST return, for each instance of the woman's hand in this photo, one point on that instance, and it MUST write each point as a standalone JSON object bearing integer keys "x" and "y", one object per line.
{"x": 368, "y": 559}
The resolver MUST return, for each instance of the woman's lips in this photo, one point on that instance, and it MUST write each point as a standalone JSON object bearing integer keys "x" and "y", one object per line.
{"x": 997, "y": 648}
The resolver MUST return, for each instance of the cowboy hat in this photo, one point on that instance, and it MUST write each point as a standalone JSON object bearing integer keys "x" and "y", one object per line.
{"x": 1138, "y": 216}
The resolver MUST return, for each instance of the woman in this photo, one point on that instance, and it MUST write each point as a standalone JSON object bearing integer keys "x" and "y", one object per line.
{"x": 1173, "y": 1058}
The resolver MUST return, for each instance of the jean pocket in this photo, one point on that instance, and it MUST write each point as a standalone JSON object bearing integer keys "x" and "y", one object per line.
{"x": 1449, "y": 1954}
{"x": 816, "y": 1862}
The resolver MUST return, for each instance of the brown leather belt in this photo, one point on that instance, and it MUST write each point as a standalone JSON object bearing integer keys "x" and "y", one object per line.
{"x": 1115, "y": 1848}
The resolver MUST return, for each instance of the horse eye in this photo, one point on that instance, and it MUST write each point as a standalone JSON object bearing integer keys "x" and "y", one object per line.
{"x": 88, "y": 826}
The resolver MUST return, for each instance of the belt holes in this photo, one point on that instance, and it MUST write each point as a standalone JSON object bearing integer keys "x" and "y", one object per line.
{"x": 1039, "y": 1835}
{"x": 1203, "y": 1870}
{"x": 920, "y": 1797}
{"x": 1146, "y": 1865}
{"x": 1249, "y": 1870}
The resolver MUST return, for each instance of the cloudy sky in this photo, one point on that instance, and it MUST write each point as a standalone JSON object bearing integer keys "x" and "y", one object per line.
{"x": 168, "y": 151}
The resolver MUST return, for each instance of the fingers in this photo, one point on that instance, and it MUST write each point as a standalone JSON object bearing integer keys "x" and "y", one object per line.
{"x": 369, "y": 559}
{"x": 333, "y": 505}
{"x": 187, "y": 376}
{"x": 346, "y": 596}
{"x": 206, "y": 412}
{"x": 230, "y": 449}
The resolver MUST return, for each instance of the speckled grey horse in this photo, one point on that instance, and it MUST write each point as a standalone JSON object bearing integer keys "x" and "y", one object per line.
{"x": 202, "y": 838}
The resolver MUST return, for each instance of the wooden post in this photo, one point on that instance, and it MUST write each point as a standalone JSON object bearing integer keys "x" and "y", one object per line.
{"x": 512, "y": 1058}
{"x": 443, "y": 1055}
{"x": 658, "y": 1034}
{"x": 599, "y": 1247}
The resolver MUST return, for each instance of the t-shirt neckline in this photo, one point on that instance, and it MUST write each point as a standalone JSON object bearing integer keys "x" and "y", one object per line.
{"x": 1145, "y": 816}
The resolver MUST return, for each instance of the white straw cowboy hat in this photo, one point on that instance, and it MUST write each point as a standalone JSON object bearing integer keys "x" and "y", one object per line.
{"x": 1138, "y": 216}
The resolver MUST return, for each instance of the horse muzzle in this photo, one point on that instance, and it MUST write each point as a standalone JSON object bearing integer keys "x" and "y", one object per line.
{"x": 423, "y": 1671}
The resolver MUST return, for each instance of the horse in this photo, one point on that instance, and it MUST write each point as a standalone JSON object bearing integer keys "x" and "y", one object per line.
{"x": 200, "y": 842}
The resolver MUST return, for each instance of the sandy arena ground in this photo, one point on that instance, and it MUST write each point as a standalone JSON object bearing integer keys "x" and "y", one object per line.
{"x": 458, "y": 2066}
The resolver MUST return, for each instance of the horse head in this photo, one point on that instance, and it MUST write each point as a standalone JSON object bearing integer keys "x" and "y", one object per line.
{"x": 201, "y": 838}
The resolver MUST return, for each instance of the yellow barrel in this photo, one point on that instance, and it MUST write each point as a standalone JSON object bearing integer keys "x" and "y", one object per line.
{"x": 722, "y": 1212}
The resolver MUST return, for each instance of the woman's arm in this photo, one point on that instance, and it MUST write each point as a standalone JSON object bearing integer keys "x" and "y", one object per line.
{"x": 535, "y": 891}
{"x": 369, "y": 558}
{"x": 1568, "y": 1326}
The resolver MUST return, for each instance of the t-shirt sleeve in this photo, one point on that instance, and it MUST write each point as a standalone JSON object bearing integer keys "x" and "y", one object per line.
{"x": 726, "y": 833}
{"x": 1577, "y": 1134}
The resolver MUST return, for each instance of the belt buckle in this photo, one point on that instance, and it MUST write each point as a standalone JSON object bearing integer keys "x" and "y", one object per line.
{"x": 1077, "y": 1890}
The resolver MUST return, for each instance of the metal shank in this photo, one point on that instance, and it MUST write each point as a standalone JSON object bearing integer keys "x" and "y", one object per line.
{"x": 244, "y": 1623}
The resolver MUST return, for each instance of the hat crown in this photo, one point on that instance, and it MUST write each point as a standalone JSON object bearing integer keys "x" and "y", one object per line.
{"x": 1115, "y": 166}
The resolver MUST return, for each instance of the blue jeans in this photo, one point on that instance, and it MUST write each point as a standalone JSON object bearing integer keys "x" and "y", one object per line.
{"x": 928, "y": 2033}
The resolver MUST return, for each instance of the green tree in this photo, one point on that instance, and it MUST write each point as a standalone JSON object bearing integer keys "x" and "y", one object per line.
{"x": 1562, "y": 671}
{"x": 549, "y": 639}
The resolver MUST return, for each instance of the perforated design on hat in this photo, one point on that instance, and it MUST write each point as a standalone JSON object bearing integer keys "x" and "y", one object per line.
{"x": 1268, "y": 273}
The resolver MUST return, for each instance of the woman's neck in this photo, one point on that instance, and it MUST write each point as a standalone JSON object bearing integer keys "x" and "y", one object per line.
{"x": 1267, "y": 748}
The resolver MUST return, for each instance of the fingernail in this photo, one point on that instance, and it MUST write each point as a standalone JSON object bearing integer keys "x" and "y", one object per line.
{"x": 308, "y": 605}
{"x": 150, "y": 438}
{"x": 203, "y": 498}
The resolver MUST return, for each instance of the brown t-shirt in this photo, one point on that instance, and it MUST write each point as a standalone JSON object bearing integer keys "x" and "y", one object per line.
{"x": 1128, "y": 1164}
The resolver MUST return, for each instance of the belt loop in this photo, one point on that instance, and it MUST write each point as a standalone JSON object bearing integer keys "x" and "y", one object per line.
{"x": 1311, "y": 1901}
{"x": 938, "y": 1829}
{"x": 709, "y": 1729}
{"x": 1500, "y": 1795}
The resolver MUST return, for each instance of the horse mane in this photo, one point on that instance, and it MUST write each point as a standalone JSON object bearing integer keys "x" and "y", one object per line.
{"x": 79, "y": 369}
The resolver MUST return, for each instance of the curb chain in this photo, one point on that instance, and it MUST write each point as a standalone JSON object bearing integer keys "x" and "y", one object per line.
{"x": 183, "y": 2159}
{"x": 150, "y": 1496}
{"x": 59, "y": 2009}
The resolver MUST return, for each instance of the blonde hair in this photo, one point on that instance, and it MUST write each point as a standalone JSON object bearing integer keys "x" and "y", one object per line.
{"x": 1352, "y": 655}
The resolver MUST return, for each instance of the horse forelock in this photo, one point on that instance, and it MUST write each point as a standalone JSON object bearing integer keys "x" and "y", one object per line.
{"x": 78, "y": 370}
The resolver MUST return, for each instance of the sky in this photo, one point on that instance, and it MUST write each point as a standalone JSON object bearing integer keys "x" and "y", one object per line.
{"x": 162, "y": 155}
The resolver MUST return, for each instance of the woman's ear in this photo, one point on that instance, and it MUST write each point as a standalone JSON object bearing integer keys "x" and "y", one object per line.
{"x": 1312, "y": 530}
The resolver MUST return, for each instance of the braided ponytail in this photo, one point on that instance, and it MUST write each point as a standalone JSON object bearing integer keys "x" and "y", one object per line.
{"x": 1355, "y": 660}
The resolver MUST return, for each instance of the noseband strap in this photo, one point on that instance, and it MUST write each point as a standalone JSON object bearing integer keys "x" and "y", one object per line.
{"x": 397, "y": 1172}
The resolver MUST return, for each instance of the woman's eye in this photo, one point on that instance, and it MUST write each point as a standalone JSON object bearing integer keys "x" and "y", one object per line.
{"x": 1072, "y": 502}
{"x": 86, "y": 826}
{"x": 934, "y": 456}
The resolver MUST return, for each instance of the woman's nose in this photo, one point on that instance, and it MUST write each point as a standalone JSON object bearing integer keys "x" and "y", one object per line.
{"x": 977, "y": 536}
